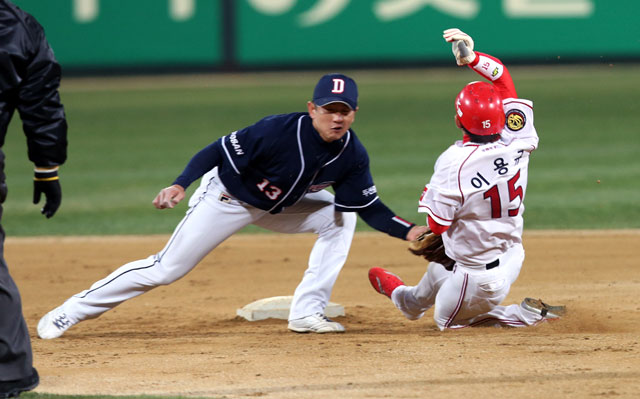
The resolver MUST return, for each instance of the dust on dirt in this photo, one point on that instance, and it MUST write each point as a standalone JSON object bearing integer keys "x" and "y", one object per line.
{"x": 184, "y": 339}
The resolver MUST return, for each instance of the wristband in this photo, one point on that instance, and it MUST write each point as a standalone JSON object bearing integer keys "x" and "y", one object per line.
{"x": 399, "y": 227}
{"x": 41, "y": 174}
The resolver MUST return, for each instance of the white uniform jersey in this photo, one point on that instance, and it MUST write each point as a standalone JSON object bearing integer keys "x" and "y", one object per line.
{"x": 478, "y": 190}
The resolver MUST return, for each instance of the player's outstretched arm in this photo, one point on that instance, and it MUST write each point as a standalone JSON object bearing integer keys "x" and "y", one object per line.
{"x": 381, "y": 218}
{"x": 486, "y": 65}
{"x": 169, "y": 197}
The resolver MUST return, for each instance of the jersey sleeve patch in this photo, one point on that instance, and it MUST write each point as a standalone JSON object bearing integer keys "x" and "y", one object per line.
{"x": 489, "y": 68}
{"x": 516, "y": 120}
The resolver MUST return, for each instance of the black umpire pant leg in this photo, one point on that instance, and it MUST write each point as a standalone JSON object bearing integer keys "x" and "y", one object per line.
{"x": 16, "y": 357}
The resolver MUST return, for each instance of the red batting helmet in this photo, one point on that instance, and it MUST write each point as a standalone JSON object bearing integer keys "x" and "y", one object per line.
{"x": 479, "y": 109}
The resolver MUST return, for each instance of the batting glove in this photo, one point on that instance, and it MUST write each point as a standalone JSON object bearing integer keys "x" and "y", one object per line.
{"x": 464, "y": 54}
{"x": 47, "y": 181}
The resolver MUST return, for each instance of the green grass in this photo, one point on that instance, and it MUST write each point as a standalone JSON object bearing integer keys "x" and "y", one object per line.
{"x": 131, "y": 137}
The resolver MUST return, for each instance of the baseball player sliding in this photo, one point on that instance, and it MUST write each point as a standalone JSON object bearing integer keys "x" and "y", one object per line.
{"x": 475, "y": 202}
{"x": 272, "y": 174}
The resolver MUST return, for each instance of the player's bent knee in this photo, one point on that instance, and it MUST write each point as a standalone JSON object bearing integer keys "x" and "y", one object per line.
{"x": 441, "y": 322}
{"x": 345, "y": 222}
{"x": 339, "y": 223}
{"x": 441, "y": 325}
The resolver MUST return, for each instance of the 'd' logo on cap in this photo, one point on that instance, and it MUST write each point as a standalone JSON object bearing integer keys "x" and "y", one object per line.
{"x": 335, "y": 87}
{"x": 338, "y": 86}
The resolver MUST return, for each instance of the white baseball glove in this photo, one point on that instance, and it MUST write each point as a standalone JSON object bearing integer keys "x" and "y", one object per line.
{"x": 454, "y": 35}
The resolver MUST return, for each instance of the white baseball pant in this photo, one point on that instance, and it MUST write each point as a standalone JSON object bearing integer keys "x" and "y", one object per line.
{"x": 212, "y": 217}
{"x": 468, "y": 295}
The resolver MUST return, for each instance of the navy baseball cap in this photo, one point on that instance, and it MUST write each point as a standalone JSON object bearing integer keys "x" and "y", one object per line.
{"x": 336, "y": 88}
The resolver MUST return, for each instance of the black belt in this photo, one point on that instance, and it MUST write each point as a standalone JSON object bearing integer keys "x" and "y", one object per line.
{"x": 493, "y": 264}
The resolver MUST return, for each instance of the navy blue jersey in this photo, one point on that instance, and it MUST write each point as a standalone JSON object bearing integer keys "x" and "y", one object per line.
{"x": 273, "y": 163}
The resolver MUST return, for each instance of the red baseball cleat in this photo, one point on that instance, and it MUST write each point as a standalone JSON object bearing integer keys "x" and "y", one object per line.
{"x": 383, "y": 281}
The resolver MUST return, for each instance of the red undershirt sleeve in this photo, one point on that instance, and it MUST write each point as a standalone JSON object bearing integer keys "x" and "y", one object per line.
{"x": 494, "y": 70}
{"x": 435, "y": 227}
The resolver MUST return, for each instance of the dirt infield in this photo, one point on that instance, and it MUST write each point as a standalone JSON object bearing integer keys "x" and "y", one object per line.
{"x": 184, "y": 339}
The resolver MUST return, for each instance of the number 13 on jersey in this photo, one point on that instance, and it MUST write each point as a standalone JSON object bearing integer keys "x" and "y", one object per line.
{"x": 272, "y": 192}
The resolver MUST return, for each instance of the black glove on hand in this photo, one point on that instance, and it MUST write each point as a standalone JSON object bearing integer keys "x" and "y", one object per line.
{"x": 47, "y": 182}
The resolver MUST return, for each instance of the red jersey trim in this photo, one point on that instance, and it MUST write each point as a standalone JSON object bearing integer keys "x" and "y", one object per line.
{"x": 518, "y": 102}
{"x": 460, "y": 170}
{"x": 455, "y": 312}
{"x": 435, "y": 214}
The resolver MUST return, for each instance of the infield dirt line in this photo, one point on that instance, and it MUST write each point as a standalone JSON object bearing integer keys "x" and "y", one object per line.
{"x": 142, "y": 237}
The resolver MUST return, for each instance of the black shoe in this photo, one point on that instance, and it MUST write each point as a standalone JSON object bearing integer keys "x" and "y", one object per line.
{"x": 12, "y": 389}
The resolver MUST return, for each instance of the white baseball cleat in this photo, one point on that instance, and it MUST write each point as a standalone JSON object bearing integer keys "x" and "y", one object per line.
{"x": 317, "y": 323}
{"x": 545, "y": 310}
{"x": 54, "y": 324}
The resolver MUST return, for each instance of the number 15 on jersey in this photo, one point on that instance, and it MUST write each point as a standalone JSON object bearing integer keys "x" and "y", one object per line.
{"x": 492, "y": 195}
